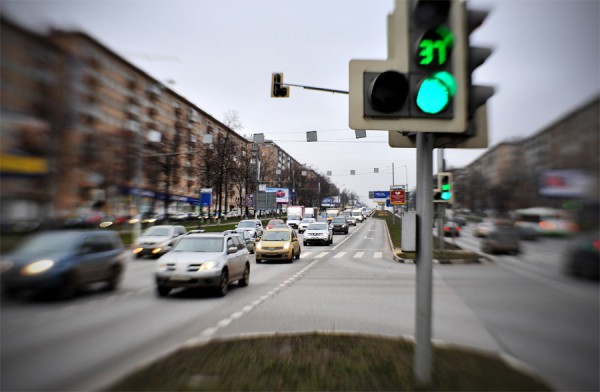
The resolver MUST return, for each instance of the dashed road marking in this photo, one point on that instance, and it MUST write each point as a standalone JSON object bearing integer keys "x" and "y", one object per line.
{"x": 358, "y": 255}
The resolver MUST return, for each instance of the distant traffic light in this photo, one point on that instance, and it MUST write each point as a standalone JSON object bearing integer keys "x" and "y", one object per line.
{"x": 443, "y": 192}
{"x": 277, "y": 88}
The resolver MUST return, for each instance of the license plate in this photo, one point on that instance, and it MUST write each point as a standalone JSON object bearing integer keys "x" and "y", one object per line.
{"x": 180, "y": 278}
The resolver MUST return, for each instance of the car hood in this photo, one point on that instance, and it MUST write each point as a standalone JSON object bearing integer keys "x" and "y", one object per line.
{"x": 189, "y": 257}
{"x": 152, "y": 238}
{"x": 269, "y": 244}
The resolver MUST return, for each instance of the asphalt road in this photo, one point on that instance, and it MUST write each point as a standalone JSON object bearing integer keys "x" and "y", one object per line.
{"x": 547, "y": 321}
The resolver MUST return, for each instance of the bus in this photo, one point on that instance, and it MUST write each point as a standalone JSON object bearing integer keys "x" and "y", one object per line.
{"x": 545, "y": 221}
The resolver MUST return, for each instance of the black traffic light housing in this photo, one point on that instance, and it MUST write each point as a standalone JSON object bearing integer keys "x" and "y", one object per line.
{"x": 278, "y": 90}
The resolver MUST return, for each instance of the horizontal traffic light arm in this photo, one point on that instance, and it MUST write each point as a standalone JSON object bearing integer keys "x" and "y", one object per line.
{"x": 329, "y": 90}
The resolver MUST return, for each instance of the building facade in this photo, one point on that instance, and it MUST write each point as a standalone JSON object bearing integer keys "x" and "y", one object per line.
{"x": 555, "y": 166}
{"x": 84, "y": 131}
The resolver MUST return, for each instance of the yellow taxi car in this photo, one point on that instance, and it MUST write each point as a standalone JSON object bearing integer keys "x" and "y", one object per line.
{"x": 278, "y": 243}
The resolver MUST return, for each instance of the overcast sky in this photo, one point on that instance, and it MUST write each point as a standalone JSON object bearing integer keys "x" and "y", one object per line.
{"x": 220, "y": 55}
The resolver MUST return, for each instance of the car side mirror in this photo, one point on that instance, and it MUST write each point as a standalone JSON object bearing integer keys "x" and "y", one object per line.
{"x": 232, "y": 249}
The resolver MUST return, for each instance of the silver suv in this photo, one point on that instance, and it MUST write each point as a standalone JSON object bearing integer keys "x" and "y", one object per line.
{"x": 158, "y": 240}
{"x": 253, "y": 226}
{"x": 211, "y": 260}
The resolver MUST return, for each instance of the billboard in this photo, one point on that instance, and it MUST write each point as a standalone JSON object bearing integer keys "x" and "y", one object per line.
{"x": 282, "y": 194}
{"x": 565, "y": 183}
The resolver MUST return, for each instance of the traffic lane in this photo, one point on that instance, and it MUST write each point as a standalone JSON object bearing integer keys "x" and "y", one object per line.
{"x": 351, "y": 288}
{"x": 101, "y": 336}
{"x": 541, "y": 260}
{"x": 554, "y": 331}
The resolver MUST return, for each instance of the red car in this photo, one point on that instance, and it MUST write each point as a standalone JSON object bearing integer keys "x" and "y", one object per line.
{"x": 275, "y": 222}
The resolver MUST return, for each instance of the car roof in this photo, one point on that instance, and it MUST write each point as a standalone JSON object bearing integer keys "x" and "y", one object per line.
{"x": 280, "y": 228}
{"x": 213, "y": 234}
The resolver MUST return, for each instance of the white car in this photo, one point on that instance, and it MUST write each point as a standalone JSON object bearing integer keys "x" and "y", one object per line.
{"x": 253, "y": 226}
{"x": 212, "y": 260}
{"x": 319, "y": 233}
{"x": 304, "y": 224}
{"x": 158, "y": 240}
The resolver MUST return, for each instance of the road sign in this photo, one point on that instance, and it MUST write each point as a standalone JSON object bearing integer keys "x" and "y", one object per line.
{"x": 381, "y": 194}
{"x": 397, "y": 197}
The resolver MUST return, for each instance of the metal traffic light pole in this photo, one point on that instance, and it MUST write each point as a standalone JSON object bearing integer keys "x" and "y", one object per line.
{"x": 424, "y": 197}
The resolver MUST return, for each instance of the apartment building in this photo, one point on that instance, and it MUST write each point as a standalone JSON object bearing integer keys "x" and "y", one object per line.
{"x": 515, "y": 174}
{"x": 109, "y": 135}
{"x": 83, "y": 131}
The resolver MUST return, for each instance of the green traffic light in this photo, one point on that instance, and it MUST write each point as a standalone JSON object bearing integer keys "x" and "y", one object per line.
{"x": 436, "y": 92}
{"x": 446, "y": 196}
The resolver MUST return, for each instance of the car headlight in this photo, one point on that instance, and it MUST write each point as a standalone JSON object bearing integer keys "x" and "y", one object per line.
{"x": 286, "y": 246}
{"x": 162, "y": 267}
{"x": 258, "y": 245}
{"x": 37, "y": 267}
{"x": 208, "y": 265}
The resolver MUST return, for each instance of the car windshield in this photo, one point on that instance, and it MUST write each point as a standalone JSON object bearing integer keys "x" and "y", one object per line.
{"x": 317, "y": 226}
{"x": 158, "y": 231}
{"x": 47, "y": 243}
{"x": 248, "y": 224}
{"x": 276, "y": 236}
{"x": 308, "y": 220}
{"x": 198, "y": 244}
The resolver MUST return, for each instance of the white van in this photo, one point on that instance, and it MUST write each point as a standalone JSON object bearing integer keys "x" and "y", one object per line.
{"x": 358, "y": 215}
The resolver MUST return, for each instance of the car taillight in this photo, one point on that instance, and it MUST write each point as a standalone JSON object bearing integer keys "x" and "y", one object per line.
{"x": 596, "y": 245}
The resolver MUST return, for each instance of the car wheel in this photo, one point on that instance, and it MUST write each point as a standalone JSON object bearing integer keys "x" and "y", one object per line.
{"x": 258, "y": 261}
{"x": 69, "y": 287}
{"x": 115, "y": 278}
{"x": 305, "y": 243}
{"x": 223, "y": 284}
{"x": 245, "y": 281}
{"x": 163, "y": 291}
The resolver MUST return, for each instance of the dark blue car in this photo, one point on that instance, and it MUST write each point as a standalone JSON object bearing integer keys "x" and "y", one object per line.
{"x": 63, "y": 262}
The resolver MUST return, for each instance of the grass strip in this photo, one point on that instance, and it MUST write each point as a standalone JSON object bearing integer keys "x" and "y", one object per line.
{"x": 323, "y": 362}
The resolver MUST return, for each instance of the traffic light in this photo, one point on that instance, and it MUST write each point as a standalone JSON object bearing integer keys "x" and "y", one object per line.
{"x": 277, "y": 88}
{"x": 432, "y": 40}
{"x": 421, "y": 86}
{"x": 443, "y": 193}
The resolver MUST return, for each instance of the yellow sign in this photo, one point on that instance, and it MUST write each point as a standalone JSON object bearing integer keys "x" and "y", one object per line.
{"x": 23, "y": 164}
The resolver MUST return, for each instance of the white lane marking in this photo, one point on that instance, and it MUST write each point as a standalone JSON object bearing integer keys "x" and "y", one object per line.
{"x": 339, "y": 255}
{"x": 209, "y": 332}
{"x": 377, "y": 255}
{"x": 358, "y": 255}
